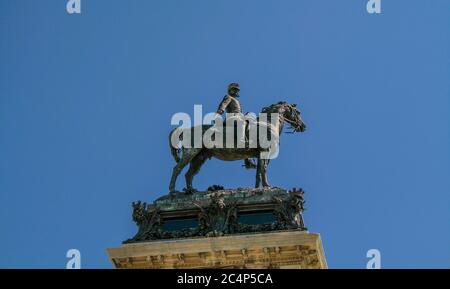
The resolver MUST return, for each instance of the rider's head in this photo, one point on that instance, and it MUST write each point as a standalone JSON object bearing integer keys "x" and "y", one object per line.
{"x": 233, "y": 89}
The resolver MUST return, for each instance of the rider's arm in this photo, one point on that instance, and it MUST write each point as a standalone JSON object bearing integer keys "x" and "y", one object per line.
{"x": 223, "y": 105}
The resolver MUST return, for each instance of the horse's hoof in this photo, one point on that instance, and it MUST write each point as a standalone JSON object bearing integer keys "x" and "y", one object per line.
{"x": 189, "y": 191}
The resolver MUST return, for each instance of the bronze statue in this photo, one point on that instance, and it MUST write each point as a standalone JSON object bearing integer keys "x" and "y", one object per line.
{"x": 196, "y": 157}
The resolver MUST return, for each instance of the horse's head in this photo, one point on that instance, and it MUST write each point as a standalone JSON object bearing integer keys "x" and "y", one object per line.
{"x": 289, "y": 113}
{"x": 292, "y": 116}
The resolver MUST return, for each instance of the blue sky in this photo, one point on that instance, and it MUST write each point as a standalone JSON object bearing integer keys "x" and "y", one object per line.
{"x": 86, "y": 102}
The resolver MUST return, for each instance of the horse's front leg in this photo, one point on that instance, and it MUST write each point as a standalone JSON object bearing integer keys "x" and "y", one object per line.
{"x": 258, "y": 173}
{"x": 265, "y": 182}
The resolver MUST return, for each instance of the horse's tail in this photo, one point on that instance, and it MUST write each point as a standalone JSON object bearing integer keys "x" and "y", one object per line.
{"x": 173, "y": 144}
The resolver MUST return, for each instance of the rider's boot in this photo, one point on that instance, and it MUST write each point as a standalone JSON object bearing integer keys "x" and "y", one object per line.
{"x": 249, "y": 164}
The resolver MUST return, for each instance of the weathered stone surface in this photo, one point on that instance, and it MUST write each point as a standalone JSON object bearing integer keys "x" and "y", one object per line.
{"x": 288, "y": 249}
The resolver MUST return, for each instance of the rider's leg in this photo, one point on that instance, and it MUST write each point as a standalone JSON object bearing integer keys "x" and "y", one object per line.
{"x": 240, "y": 132}
{"x": 237, "y": 122}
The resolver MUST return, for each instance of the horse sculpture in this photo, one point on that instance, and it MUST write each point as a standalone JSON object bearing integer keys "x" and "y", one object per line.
{"x": 196, "y": 157}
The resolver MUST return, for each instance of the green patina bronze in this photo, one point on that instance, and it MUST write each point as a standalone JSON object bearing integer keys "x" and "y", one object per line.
{"x": 220, "y": 212}
{"x": 196, "y": 157}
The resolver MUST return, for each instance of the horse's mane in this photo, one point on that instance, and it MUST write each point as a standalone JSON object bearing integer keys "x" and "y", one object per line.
{"x": 274, "y": 107}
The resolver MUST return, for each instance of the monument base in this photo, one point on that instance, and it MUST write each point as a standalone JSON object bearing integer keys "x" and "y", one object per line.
{"x": 293, "y": 249}
{"x": 222, "y": 228}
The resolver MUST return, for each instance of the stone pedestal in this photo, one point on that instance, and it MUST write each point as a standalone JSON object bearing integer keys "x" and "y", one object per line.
{"x": 219, "y": 228}
{"x": 292, "y": 249}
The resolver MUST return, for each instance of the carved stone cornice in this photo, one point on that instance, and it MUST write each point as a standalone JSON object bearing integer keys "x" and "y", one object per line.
{"x": 288, "y": 249}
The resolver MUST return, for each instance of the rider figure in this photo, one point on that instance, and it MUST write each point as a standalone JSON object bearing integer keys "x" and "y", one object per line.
{"x": 232, "y": 106}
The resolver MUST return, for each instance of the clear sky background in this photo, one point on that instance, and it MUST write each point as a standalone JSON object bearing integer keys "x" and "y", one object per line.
{"x": 86, "y": 102}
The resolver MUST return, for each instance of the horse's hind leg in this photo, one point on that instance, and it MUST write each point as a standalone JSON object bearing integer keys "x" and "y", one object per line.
{"x": 175, "y": 172}
{"x": 187, "y": 156}
{"x": 194, "y": 168}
